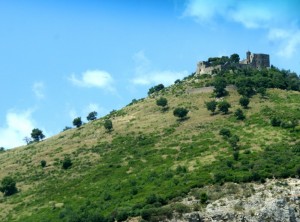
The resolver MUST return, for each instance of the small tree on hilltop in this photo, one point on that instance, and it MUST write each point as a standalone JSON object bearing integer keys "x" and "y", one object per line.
{"x": 244, "y": 102}
{"x": 108, "y": 125}
{"x": 2, "y": 149}
{"x": 77, "y": 122}
{"x": 37, "y": 135}
{"x": 211, "y": 106}
{"x": 235, "y": 58}
{"x": 8, "y": 186}
{"x": 163, "y": 102}
{"x": 180, "y": 112}
{"x": 224, "y": 106}
{"x": 92, "y": 116}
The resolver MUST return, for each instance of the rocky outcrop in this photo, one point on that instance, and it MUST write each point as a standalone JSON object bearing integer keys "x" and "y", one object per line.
{"x": 276, "y": 201}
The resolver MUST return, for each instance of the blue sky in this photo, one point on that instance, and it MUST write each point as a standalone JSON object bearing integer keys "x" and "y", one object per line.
{"x": 63, "y": 59}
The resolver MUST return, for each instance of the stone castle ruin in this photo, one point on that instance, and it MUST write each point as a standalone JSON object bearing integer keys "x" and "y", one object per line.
{"x": 253, "y": 60}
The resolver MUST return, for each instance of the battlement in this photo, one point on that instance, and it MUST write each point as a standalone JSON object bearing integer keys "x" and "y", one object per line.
{"x": 253, "y": 60}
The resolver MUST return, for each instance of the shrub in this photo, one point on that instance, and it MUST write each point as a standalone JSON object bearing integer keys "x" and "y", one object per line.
{"x": 203, "y": 198}
{"x": 236, "y": 155}
{"x": 8, "y": 186}
{"x": 224, "y": 106}
{"x": 239, "y": 114}
{"x": 156, "y": 88}
{"x": 67, "y": 163}
{"x": 220, "y": 85}
{"x": 108, "y": 125}
{"x": 92, "y": 116}
{"x": 37, "y": 135}
{"x": 77, "y": 122}
{"x": 211, "y": 106}
{"x": 225, "y": 133}
{"x": 275, "y": 121}
{"x": 234, "y": 141}
{"x": 162, "y": 102}
{"x": 43, "y": 163}
{"x": 244, "y": 102}
{"x": 180, "y": 112}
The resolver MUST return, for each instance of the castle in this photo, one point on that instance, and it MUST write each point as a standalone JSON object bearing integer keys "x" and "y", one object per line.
{"x": 253, "y": 60}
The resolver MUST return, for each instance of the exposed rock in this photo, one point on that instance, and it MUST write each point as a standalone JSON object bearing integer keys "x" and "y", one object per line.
{"x": 276, "y": 201}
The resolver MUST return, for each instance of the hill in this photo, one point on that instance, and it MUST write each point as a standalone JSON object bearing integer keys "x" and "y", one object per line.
{"x": 151, "y": 159}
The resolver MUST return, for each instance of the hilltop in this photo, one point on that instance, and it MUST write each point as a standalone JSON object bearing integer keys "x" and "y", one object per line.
{"x": 151, "y": 160}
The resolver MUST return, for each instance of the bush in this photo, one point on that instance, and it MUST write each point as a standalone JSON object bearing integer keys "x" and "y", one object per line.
{"x": 239, "y": 114}
{"x": 8, "y": 186}
{"x": 275, "y": 121}
{"x": 43, "y": 163}
{"x": 234, "y": 141}
{"x": 203, "y": 198}
{"x": 220, "y": 85}
{"x": 37, "y": 135}
{"x": 92, "y": 116}
{"x": 108, "y": 125}
{"x": 180, "y": 112}
{"x": 224, "y": 106}
{"x": 244, "y": 102}
{"x": 225, "y": 133}
{"x": 211, "y": 106}
{"x": 156, "y": 88}
{"x": 162, "y": 102}
{"x": 77, "y": 122}
{"x": 67, "y": 163}
{"x": 236, "y": 155}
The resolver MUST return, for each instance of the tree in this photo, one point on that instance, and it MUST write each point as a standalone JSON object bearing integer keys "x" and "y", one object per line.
{"x": 108, "y": 125}
{"x": 156, "y": 88}
{"x": 224, "y": 106}
{"x": 162, "y": 102}
{"x": 244, "y": 102}
{"x": 180, "y": 112}
{"x": 235, "y": 58}
{"x": 92, "y": 116}
{"x": 8, "y": 186}
{"x": 43, "y": 163}
{"x": 234, "y": 141}
{"x": 67, "y": 163}
{"x": 239, "y": 114}
{"x": 220, "y": 85}
{"x": 211, "y": 106}
{"x": 262, "y": 91}
{"x": 2, "y": 149}
{"x": 275, "y": 121}
{"x": 37, "y": 135}
{"x": 77, "y": 122}
{"x": 27, "y": 140}
{"x": 225, "y": 133}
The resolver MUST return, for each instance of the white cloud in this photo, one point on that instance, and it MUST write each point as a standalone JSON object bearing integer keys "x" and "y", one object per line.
{"x": 280, "y": 19}
{"x": 146, "y": 76}
{"x": 94, "y": 78}
{"x": 18, "y": 126}
{"x": 289, "y": 40}
{"x": 73, "y": 114}
{"x": 164, "y": 77}
{"x": 94, "y": 107}
{"x": 38, "y": 89}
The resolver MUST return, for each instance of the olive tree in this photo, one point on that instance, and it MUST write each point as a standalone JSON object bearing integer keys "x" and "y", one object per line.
{"x": 8, "y": 186}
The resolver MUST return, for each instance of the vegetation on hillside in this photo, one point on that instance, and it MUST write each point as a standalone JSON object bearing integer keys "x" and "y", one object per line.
{"x": 150, "y": 160}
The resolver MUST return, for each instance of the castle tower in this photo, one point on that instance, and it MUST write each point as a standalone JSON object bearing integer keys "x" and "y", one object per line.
{"x": 248, "y": 54}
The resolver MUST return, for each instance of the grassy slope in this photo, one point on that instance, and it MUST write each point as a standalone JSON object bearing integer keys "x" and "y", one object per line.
{"x": 149, "y": 152}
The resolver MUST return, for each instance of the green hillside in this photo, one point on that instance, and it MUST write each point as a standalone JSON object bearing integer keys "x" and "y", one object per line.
{"x": 151, "y": 158}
